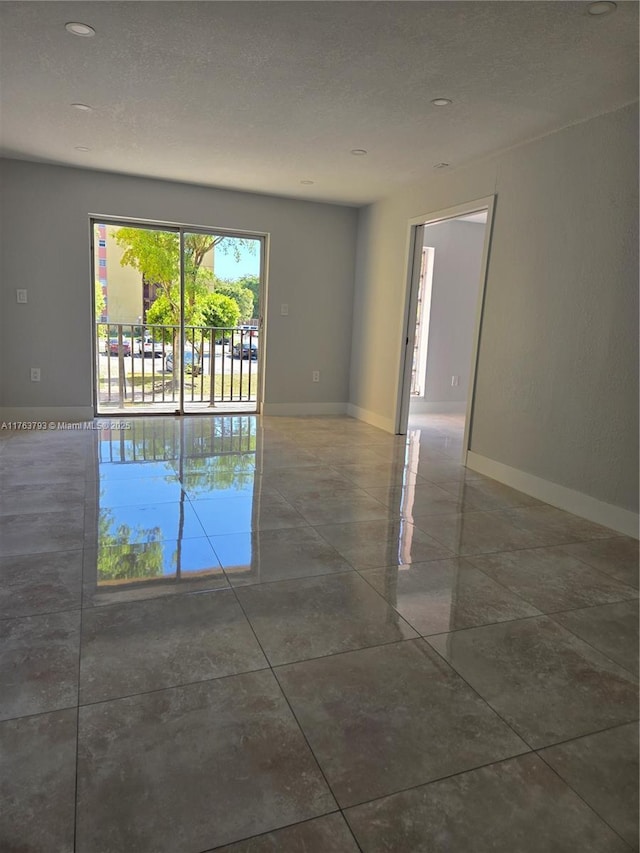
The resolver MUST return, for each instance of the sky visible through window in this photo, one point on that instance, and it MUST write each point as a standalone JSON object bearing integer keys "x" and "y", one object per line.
{"x": 226, "y": 266}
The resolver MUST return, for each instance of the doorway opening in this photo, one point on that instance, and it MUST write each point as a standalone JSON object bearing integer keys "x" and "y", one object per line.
{"x": 445, "y": 295}
{"x": 178, "y": 319}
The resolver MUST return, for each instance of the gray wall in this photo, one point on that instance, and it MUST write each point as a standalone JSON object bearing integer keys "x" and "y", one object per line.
{"x": 454, "y": 297}
{"x": 44, "y": 226}
{"x": 557, "y": 385}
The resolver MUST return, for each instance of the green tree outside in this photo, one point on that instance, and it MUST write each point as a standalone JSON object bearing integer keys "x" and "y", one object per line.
{"x": 220, "y": 311}
{"x": 100, "y": 303}
{"x": 252, "y": 283}
{"x": 241, "y": 294}
{"x": 156, "y": 255}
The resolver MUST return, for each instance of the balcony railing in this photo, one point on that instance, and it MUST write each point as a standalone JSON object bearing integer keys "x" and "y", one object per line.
{"x": 142, "y": 367}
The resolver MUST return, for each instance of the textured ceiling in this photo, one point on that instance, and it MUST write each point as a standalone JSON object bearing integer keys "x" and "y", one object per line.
{"x": 263, "y": 95}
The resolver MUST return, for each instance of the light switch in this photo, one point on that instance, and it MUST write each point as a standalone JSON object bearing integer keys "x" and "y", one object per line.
{"x": 284, "y": 309}
{"x": 21, "y": 296}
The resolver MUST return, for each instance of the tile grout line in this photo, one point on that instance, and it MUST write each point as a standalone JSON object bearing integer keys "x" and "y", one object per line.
{"x": 276, "y": 666}
{"x": 315, "y": 757}
{"x": 39, "y": 613}
{"x": 469, "y": 559}
{"x": 532, "y": 749}
{"x": 268, "y": 832}
{"x": 179, "y": 686}
{"x": 482, "y": 767}
{"x": 454, "y": 630}
{"x": 591, "y": 566}
{"x": 485, "y": 701}
{"x": 589, "y": 734}
{"x": 591, "y": 645}
{"x": 273, "y": 668}
{"x": 293, "y": 714}
{"x": 582, "y": 799}
{"x": 441, "y": 779}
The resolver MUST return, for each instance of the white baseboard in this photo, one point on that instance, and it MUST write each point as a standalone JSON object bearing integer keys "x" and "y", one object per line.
{"x": 301, "y": 409}
{"x": 373, "y": 418}
{"x": 421, "y": 407}
{"x": 618, "y": 519}
{"x": 39, "y": 414}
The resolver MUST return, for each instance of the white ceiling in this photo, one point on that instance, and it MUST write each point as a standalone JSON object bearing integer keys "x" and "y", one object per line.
{"x": 262, "y": 95}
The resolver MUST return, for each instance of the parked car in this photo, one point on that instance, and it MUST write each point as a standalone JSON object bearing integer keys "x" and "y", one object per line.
{"x": 111, "y": 347}
{"x": 191, "y": 363}
{"x": 148, "y": 347}
{"x": 247, "y": 349}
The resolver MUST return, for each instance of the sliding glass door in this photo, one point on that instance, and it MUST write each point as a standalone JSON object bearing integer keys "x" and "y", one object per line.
{"x": 221, "y": 355}
{"x": 177, "y": 319}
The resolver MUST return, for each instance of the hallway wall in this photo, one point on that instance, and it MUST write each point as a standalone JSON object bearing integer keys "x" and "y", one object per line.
{"x": 557, "y": 385}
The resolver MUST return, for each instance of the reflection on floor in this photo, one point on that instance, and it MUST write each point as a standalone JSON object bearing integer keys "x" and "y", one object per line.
{"x": 279, "y": 634}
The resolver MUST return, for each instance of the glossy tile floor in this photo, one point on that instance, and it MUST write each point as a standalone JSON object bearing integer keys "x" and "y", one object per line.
{"x": 289, "y": 635}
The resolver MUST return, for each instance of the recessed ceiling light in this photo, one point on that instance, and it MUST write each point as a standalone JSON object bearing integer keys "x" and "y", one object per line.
{"x": 82, "y": 148}
{"x": 84, "y": 107}
{"x": 306, "y": 182}
{"x": 602, "y": 7}
{"x": 441, "y": 165}
{"x": 77, "y": 29}
{"x": 358, "y": 152}
{"x": 441, "y": 102}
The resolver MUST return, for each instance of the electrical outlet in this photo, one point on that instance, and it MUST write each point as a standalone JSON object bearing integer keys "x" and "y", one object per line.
{"x": 35, "y": 374}
{"x": 21, "y": 296}
{"x": 315, "y": 376}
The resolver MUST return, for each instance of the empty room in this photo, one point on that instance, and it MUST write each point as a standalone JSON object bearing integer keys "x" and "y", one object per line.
{"x": 319, "y": 427}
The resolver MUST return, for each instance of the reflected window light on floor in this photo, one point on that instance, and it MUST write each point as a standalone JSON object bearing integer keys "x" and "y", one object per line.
{"x": 237, "y": 632}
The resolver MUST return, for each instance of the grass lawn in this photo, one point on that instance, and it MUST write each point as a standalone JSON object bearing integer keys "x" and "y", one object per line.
{"x": 149, "y": 387}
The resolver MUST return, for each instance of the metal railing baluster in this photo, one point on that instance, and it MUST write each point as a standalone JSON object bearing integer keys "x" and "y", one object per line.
{"x": 128, "y": 380}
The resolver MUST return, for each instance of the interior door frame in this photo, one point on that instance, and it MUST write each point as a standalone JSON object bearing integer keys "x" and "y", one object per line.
{"x": 181, "y": 229}
{"x": 415, "y": 242}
